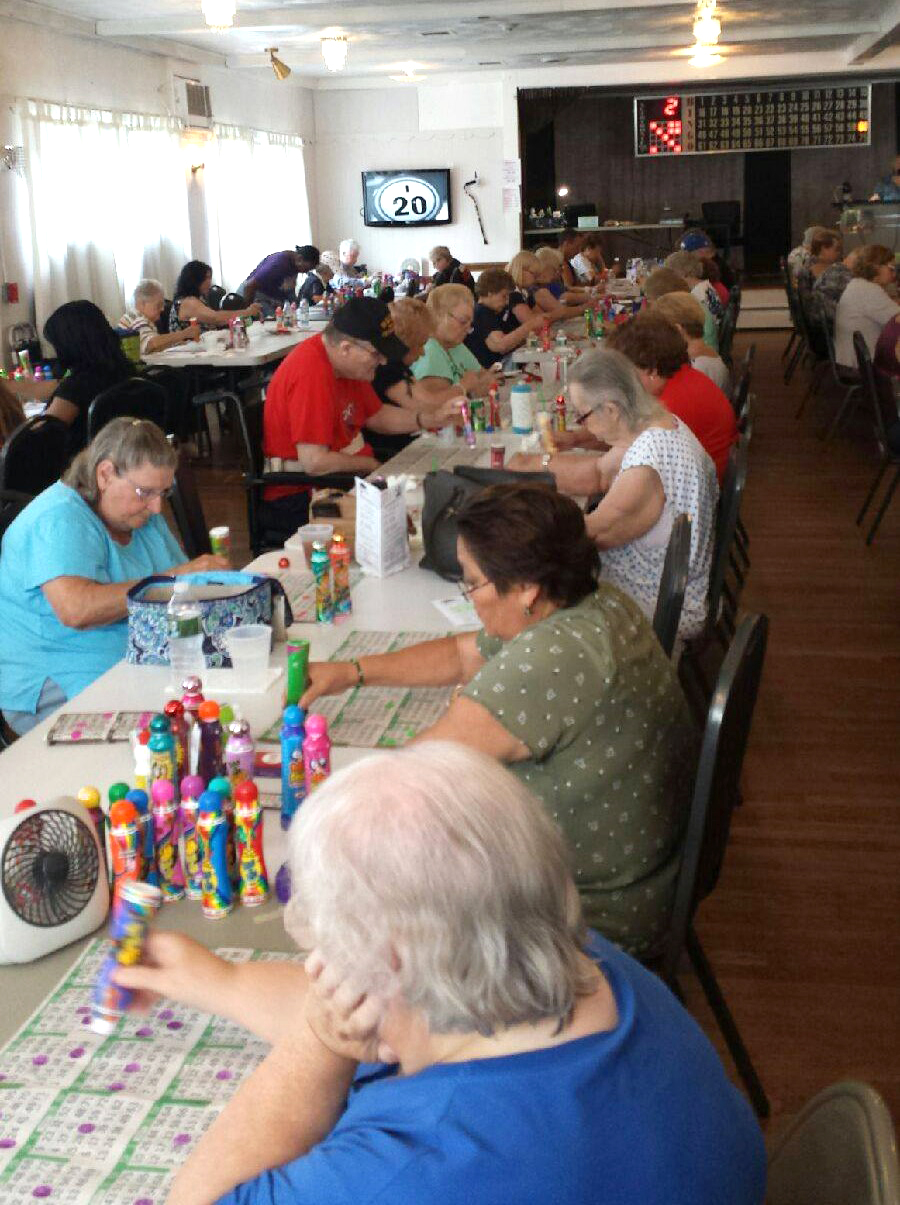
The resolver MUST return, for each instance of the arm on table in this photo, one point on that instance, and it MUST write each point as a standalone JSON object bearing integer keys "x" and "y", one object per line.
{"x": 161, "y": 342}
{"x": 468, "y": 723}
{"x": 444, "y": 662}
{"x": 575, "y": 474}
{"x": 318, "y": 459}
{"x": 193, "y": 307}
{"x": 633, "y": 504}
{"x": 502, "y": 344}
{"x": 397, "y": 420}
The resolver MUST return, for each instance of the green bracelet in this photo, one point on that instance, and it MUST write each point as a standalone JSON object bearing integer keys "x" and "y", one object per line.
{"x": 360, "y": 676}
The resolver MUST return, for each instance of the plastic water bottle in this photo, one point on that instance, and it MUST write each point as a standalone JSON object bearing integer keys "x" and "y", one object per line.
{"x": 521, "y": 401}
{"x": 184, "y": 624}
{"x": 304, "y": 314}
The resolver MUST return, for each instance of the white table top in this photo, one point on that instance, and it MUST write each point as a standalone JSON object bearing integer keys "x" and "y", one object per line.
{"x": 262, "y": 350}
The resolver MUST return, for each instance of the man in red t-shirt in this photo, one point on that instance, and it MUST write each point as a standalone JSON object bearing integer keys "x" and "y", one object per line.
{"x": 657, "y": 349}
{"x": 321, "y": 397}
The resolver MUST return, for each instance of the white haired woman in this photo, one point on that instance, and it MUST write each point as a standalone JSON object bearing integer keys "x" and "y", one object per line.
{"x": 145, "y": 313}
{"x": 69, "y": 560}
{"x": 346, "y": 271}
{"x": 447, "y": 943}
{"x": 655, "y": 469}
{"x": 446, "y": 365}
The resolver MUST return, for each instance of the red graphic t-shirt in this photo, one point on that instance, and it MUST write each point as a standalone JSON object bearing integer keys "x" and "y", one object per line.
{"x": 702, "y": 406}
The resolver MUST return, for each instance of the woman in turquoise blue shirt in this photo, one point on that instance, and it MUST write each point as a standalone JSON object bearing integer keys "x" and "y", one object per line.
{"x": 446, "y": 366}
{"x": 67, "y": 564}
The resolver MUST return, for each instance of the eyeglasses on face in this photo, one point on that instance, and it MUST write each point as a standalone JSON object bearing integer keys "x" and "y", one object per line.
{"x": 581, "y": 419}
{"x": 142, "y": 493}
{"x": 467, "y": 591}
{"x": 464, "y": 322}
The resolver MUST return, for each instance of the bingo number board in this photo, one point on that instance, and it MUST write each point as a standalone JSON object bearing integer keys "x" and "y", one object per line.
{"x": 707, "y": 123}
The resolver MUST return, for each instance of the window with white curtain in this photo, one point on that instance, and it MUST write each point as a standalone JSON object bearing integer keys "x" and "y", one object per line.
{"x": 108, "y": 203}
{"x": 256, "y": 198}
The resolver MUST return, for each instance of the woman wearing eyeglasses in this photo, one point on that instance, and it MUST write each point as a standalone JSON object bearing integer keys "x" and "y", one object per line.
{"x": 70, "y": 558}
{"x": 567, "y": 685}
{"x": 446, "y": 366}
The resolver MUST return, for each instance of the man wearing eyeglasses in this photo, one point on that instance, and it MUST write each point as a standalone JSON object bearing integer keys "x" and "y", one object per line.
{"x": 321, "y": 397}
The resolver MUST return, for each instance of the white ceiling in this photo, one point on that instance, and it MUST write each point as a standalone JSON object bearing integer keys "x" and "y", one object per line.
{"x": 476, "y": 35}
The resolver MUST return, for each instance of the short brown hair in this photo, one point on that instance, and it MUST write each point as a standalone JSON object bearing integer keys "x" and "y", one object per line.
{"x": 684, "y": 309}
{"x": 662, "y": 281}
{"x": 651, "y": 342}
{"x": 685, "y": 263}
{"x": 529, "y": 534}
{"x": 594, "y": 240}
{"x": 870, "y": 258}
{"x": 822, "y": 238}
{"x": 494, "y": 280}
{"x": 413, "y": 321}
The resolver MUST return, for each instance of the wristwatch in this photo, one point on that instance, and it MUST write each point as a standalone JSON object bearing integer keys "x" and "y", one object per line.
{"x": 545, "y": 460}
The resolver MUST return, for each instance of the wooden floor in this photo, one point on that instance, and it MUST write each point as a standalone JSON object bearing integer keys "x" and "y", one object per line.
{"x": 803, "y": 929}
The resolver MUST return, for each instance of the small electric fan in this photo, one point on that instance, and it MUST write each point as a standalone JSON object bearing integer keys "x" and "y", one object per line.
{"x": 53, "y": 885}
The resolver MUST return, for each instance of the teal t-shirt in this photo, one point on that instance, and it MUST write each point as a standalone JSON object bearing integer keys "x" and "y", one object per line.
{"x": 58, "y": 535}
{"x": 438, "y": 361}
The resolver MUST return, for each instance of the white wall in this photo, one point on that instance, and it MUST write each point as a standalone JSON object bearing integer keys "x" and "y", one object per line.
{"x": 416, "y": 127}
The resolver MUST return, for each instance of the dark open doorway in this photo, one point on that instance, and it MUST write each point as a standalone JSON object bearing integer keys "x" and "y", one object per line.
{"x": 767, "y": 210}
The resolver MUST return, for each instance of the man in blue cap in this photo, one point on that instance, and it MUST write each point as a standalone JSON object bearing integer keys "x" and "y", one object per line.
{"x": 701, "y": 244}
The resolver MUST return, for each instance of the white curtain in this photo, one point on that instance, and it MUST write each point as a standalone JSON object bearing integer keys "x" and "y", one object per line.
{"x": 108, "y": 203}
{"x": 256, "y": 197}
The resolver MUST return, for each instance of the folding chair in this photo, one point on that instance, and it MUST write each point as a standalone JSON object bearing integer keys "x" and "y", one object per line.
{"x": 879, "y": 390}
{"x": 35, "y": 455}
{"x": 134, "y": 398}
{"x": 214, "y": 297}
{"x": 232, "y": 301}
{"x": 187, "y": 509}
{"x": 672, "y": 584}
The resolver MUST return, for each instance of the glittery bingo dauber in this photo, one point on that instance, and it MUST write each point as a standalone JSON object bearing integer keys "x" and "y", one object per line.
{"x": 133, "y": 910}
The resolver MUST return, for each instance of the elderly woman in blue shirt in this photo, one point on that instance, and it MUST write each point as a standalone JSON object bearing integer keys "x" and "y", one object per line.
{"x": 70, "y": 558}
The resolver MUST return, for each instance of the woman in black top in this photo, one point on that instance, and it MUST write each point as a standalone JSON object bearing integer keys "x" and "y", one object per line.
{"x": 90, "y": 354}
{"x": 191, "y": 287}
{"x": 393, "y": 381}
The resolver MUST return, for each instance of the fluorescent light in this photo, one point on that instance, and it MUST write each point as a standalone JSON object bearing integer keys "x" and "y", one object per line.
{"x": 334, "y": 52}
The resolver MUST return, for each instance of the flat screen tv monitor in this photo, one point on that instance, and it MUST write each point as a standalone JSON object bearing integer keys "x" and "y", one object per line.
{"x": 415, "y": 197}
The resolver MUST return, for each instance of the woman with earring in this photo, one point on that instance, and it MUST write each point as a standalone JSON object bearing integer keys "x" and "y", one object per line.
{"x": 568, "y": 686}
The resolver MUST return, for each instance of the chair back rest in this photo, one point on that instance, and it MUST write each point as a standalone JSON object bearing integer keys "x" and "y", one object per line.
{"x": 232, "y": 301}
{"x": 735, "y": 297}
{"x": 726, "y": 331}
{"x": 34, "y": 455}
{"x": 717, "y": 783}
{"x": 188, "y": 509}
{"x": 840, "y": 1149}
{"x": 214, "y": 296}
{"x": 162, "y": 322}
{"x": 741, "y": 391}
{"x": 747, "y": 362}
{"x": 725, "y": 214}
{"x": 251, "y": 424}
{"x": 879, "y": 389}
{"x": 790, "y": 289}
{"x": 12, "y": 503}
{"x": 672, "y": 584}
{"x": 133, "y": 398}
{"x": 726, "y": 521}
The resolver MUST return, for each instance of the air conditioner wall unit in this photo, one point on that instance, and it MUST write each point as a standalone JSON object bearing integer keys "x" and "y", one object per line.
{"x": 192, "y": 103}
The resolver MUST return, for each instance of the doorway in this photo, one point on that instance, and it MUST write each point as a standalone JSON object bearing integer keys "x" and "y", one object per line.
{"x": 767, "y": 210}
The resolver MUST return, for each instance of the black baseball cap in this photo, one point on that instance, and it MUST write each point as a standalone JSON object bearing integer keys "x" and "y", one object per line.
{"x": 369, "y": 319}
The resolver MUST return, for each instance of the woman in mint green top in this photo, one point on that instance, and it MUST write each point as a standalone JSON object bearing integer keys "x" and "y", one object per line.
{"x": 568, "y": 685}
{"x": 446, "y": 361}
{"x": 67, "y": 563}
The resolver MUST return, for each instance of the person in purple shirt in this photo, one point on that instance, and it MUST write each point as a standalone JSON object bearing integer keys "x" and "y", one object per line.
{"x": 519, "y": 1059}
{"x": 273, "y": 282}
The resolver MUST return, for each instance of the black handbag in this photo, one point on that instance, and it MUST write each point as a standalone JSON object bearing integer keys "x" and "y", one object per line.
{"x": 445, "y": 493}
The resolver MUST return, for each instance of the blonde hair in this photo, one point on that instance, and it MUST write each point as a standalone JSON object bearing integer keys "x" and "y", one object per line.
{"x": 439, "y": 253}
{"x": 686, "y": 263}
{"x": 413, "y": 322}
{"x": 683, "y": 309}
{"x": 128, "y": 443}
{"x": 662, "y": 281}
{"x": 442, "y": 299}
{"x": 870, "y": 258}
{"x": 550, "y": 255}
{"x": 518, "y": 263}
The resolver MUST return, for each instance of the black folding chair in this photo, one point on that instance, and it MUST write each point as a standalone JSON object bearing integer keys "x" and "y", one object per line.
{"x": 727, "y": 328}
{"x": 214, "y": 297}
{"x": 793, "y": 351}
{"x": 716, "y": 792}
{"x": 740, "y": 392}
{"x": 134, "y": 398}
{"x": 879, "y": 391}
{"x": 12, "y": 503}
{"x": 672, "y": 584}
{"x": 187, "y": 509}
{"x": 35, "y": 455}
{"x": 847, "y": 379}
{"x": 815, "y": 341}
{"x": 232, "y": 301}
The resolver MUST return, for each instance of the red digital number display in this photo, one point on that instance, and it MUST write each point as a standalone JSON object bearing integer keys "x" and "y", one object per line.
{"x": 660, "y": 126}
{"x": 672, "y": 105}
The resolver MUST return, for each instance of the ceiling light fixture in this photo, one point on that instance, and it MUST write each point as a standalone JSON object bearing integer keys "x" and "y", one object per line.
{"x": 334, "y": 52}
{"x": 409, "y": 74}
{"x": 218, "y": 14}
{"x": 706, "y": 29}
{"x": 282, "y": 70}
{"x": 563, "y": 190}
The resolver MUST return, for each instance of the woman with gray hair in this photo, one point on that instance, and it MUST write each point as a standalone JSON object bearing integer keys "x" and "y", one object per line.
{"x": 524, "y": 1060}
{"x": 655, "y": 470}
{"x": 142, "y": 317}
{"x": 346, "y": 271}
{"x": 69, "y": 560}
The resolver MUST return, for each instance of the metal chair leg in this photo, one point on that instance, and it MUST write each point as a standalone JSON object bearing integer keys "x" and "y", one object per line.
{"x": 793, "y": 362}
{"x": 872, "y": 492}
{"x": 882, "y": 509}
{"x": 726, "y": 1023}
{"x": 842, "y": 410}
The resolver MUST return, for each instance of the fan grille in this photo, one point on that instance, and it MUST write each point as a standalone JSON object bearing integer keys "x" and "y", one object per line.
{"x": 49, "y": 868}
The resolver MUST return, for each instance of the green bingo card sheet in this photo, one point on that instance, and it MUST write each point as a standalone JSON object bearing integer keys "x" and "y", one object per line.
{"x": 88, "y": 1120}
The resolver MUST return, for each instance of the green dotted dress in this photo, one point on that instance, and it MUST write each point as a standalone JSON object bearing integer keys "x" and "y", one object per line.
{"x": 613, "y": 749}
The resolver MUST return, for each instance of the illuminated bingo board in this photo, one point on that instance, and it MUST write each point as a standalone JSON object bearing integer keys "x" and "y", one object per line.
{"x": 706, "y": 123}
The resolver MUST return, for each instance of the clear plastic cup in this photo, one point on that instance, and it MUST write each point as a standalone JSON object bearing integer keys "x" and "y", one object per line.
{"x": 248, "y": 647}
{"x": 304, "y": 538}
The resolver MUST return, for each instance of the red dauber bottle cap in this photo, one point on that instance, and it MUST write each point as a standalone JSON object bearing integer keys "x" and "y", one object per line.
{"x": 174, "y": 707}
{"x": 246, "y": 792}
{"x": 24, "y": 804}
{"x": 144, "y": 736}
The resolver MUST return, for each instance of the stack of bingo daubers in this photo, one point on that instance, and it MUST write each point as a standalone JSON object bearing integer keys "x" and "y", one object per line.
{"x": 192, "y": 825}
{"x": 331, "y": 572}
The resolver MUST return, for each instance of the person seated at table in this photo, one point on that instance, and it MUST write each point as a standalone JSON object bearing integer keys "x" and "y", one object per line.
{"x": 142, "y": 317}
{"x": 865, "y": 305}
{"x": 90, "y": 356}
{"x": 885, "y": 358}
{"x": 316, "y": 286}
{"x": 657, "y": 349}
{"x": 663, "y": 281}
{"x": 829, "y": 287}
{"x": 800, "y": 255}
{"x": 825, "y": 249}
{"x": 488, "y": 340}
{"x": 193, "y": 284}
{"x": 689, "y": 265}
{"x": 690, "y": 318}
{"x": 530, "y": 297}
{"x": 569, "y": 243}
{"x": 888, "y": 187}
{"x": 550, "y": 277}
{"x": 655, "y": 470}
{"x": 448, "y": 270}
{"x": 446, "y": 366}
{"x": 518, "y": 1057}
{"x": 12, "y": 414}
{"x": 273, "y": 282}
{"x": 589, "y": 264}
{"x": 566, "y": 684}
{"x": 718, "y": 272}
{"x": 70, "y": 558}
{"x": 321, "y": 397}
{"x": 394, "y": 382}
{"x": 346, "y": 271}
